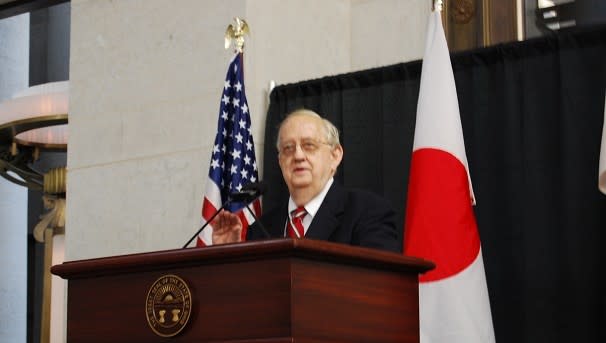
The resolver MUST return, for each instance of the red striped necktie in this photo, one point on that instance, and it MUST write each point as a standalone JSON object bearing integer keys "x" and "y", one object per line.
{"x": 296, "y": 220}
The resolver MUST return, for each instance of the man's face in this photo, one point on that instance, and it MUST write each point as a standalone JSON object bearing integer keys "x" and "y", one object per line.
{"x": 306, "y": 159}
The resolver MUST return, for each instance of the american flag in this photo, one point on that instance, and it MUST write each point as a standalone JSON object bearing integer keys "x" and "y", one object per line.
{"x": 232, "y": 163}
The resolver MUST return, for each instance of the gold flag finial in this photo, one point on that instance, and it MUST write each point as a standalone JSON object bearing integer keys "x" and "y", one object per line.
{"x": 235, "y": 33}
{"x": 437, "y": 5}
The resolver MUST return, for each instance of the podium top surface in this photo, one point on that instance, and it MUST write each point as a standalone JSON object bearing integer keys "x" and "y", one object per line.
{"x": 241, "y": 252}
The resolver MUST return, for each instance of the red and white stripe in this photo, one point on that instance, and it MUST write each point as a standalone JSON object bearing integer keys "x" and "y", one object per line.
{"x": 440, "y": 224}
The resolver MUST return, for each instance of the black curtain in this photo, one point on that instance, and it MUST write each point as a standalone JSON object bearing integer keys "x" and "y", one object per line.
{"x": 532, "y": 115}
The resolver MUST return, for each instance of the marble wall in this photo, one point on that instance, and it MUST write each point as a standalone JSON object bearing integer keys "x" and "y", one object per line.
{"x": 145, "y": 82}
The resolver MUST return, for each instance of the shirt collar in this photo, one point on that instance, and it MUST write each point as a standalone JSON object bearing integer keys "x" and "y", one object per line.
{"x": 314, "y": 204}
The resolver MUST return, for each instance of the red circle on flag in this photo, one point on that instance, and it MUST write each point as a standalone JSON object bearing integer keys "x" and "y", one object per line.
{"x": 440, "y": 224}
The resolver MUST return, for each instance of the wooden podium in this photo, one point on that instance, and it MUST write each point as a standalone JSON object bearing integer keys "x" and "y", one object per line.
{"x": 279, "y": 290}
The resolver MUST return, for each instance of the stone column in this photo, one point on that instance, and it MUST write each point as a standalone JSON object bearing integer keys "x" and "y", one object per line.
{"x": 14, "y": 64}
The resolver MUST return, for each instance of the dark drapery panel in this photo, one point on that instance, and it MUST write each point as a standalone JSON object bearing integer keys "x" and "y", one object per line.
{"x": 532, "y": 115}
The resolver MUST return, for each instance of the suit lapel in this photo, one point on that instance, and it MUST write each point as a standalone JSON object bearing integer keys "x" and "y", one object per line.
{"x": 279, "y": 220}
{"x": 329, "y": 214}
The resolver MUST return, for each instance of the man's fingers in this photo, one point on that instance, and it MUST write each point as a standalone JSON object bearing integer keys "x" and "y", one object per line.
{"x": 233, "y": 220}
{"x": 222, "y": 219}
{"x": 226, "y": 220}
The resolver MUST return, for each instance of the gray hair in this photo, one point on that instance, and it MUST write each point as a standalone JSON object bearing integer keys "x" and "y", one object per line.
{"x": 332, "y": 133}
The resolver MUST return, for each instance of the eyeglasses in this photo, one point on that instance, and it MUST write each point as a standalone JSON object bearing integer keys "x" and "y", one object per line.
{"x": 309, "y": 147}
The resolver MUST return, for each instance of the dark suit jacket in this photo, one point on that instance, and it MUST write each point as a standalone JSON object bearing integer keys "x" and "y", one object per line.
{"x": 347, "y": 216}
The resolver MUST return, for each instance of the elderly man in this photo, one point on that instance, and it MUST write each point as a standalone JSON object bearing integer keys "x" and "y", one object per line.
{"x": 309, "y": 153}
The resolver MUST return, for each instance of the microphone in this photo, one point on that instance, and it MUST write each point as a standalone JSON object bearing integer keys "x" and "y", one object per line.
{"x": 249, "y": 192}
{"x": 247, "y": 195}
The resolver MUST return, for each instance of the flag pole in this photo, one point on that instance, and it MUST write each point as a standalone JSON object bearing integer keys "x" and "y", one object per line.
{"x": 233, "y": 162}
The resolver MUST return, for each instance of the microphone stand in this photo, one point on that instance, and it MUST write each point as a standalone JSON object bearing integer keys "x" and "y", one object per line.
{"x": 208, "y": 222}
